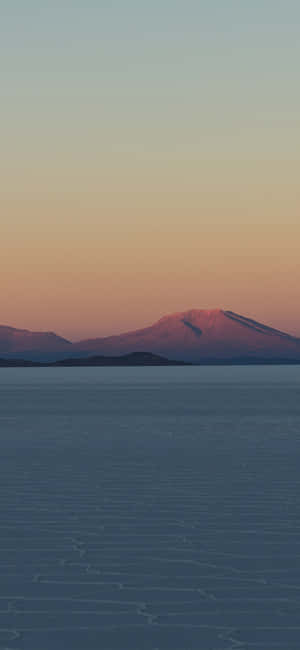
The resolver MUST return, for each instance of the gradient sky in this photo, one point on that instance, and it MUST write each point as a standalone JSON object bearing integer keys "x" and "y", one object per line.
{"x": 149, "y": 161}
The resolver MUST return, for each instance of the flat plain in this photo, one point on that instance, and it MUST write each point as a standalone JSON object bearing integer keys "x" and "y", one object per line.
{"x": 150, "y": 508}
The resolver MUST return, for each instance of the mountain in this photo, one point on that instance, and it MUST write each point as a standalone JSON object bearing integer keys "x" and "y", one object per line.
{"x": 196, "y": 336}
{"x": 201, "y": 336}
{"x": 32, "y": 345}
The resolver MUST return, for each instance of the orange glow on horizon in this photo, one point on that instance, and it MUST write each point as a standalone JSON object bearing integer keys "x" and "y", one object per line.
{"x": 102, "y": 279}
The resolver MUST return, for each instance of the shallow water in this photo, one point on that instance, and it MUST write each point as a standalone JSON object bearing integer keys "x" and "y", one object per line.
{"x": 150, "y": 508}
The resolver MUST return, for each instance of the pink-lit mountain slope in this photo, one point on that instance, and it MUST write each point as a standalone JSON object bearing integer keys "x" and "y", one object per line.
{"x": 194, "y": 336}
{"x": 200, "y": 335}
{"x": 34, "y": 345}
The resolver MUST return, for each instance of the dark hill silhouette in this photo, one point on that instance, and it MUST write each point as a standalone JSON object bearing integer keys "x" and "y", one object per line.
{"x": 18, "y": 363}
{"x": 132, "y": 359}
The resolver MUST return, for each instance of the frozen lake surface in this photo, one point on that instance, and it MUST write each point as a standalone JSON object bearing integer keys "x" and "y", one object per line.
{"x": 150, "y": 508}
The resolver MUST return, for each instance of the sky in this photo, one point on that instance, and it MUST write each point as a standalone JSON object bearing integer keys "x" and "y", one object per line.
{"x": 149, "y": 162}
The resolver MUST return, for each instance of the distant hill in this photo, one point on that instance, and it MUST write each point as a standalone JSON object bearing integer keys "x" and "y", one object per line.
{"x": 18, "y": 363}
{"x": 132, "y": 359}
{"x": 32, "y": 345}
{"x": 195, "y": 336}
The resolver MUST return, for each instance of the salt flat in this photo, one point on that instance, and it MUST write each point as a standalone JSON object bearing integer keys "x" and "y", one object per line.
{"x": 150, "y": 508}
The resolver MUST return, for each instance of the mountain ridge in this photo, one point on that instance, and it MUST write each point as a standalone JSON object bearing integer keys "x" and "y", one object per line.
{"x": 192, "y": 336}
